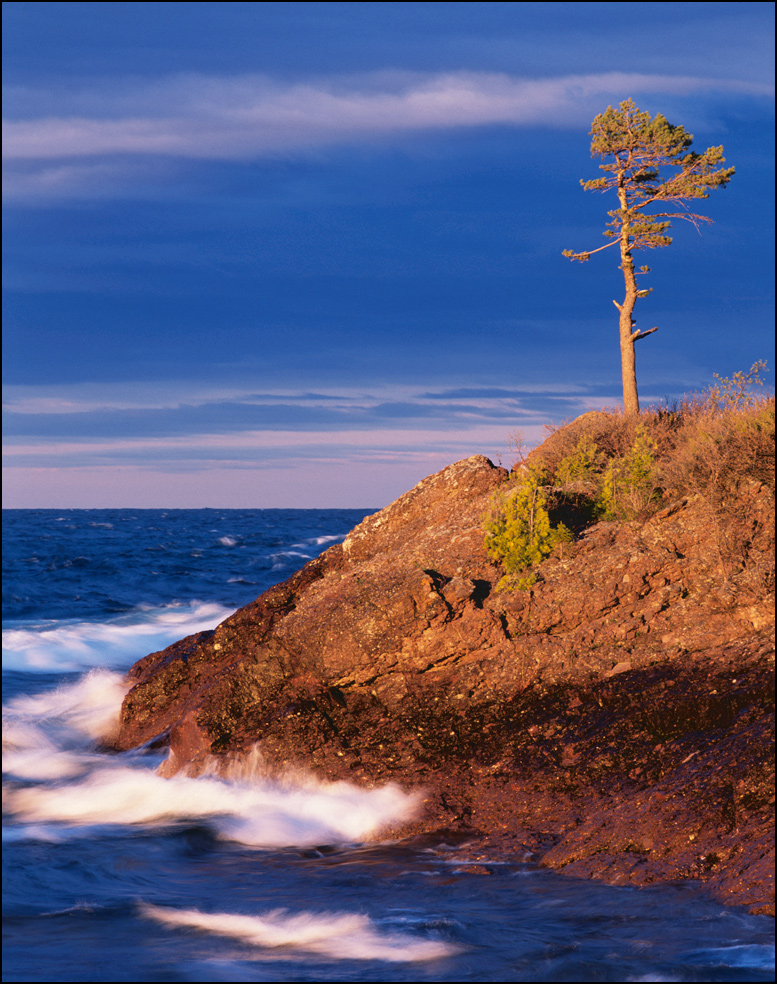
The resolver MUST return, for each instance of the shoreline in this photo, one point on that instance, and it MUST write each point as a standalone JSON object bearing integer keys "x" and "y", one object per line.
{"x": 614, "y": 721}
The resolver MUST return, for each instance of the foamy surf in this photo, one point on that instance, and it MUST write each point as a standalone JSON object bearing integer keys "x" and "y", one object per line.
{"x": 318, "y": 541}
{"x": 263, "y": 814}
{"x": 64, "y": 645}
{"x": 51, "y": 735}
{"x": 282, "y": 558}
{"x": 738, "y": 955}
{"x": 341, "y": 936}
{"x": 49, "y": 741}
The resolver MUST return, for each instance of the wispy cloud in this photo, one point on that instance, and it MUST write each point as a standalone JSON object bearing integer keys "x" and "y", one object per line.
{"x": 223, "y": 118}
{"x": 197, "y": 117}
{"x": 47, "y": 418}
{"x": 377, "y": 443}
{"x": 253, "y": 468}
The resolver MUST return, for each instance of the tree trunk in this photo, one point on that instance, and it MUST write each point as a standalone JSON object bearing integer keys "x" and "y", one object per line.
{"x": 628, "y": 336}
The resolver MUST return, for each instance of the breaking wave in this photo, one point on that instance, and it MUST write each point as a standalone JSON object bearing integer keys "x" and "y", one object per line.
{"x": 52, "y": 735}
{"x": 265, "y": 814}
{"x": 342, "y": 936}
{"x": 66, "y": 646}
{"x": 50, "y": 744}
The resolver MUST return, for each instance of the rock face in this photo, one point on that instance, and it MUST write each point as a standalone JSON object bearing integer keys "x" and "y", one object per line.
{"x": 615, "y": 721}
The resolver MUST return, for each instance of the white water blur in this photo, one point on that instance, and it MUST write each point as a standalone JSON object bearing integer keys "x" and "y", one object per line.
{"x": 51, "y": 735}
{"x": 319, "y": 541}
{"x": 738, "y": 955}
{"x": 281, "y": 558}
{"x": 64, "y": 645}
{"x": 262, "y": 814}
{"x": 342, "y": 936}
{"x": 655, "y": 979}
{"x": 49, "y": 741}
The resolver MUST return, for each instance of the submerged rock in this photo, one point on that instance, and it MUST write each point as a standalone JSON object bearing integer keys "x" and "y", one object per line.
{"x": 614, "y": 721}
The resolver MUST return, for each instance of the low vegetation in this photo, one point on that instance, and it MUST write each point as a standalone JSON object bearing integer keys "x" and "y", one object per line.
{"x": 519, "y": 531}
{"x": 718, "y": 445}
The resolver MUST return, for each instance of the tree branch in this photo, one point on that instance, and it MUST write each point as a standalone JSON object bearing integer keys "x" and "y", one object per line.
{"x": 589, "y": 252}
{"x": 636, "y": 335}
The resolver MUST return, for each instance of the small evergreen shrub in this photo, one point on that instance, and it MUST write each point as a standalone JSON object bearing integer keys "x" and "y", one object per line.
{"x": 630, "y": 484}
{"x": 620, "y": 485}
{"x": 519, "y": 531}
{"x": 583, "y": 467}
{"x": 717, "y": 446}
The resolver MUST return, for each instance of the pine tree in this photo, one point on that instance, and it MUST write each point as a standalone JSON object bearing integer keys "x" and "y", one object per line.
{"x": 638, "y": 151}
{"x": 518, "y": 530}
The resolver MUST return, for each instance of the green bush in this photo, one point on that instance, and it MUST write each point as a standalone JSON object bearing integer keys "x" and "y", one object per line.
{"x": 715, "y": 447}
{"x": 620, "y": 487}
{"x": 519, "y": 532}
{"x": 630, "y": 483}
{"x": 583, "y": 466}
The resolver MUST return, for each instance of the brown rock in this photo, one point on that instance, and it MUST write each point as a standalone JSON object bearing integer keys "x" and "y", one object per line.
{"x": 615, "y": 720}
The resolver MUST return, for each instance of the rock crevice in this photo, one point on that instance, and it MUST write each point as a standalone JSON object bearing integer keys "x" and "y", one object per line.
{"x": 615, "y": 719}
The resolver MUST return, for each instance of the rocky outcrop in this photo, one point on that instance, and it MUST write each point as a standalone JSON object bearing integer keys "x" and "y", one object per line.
{"x": 614, "y": 721}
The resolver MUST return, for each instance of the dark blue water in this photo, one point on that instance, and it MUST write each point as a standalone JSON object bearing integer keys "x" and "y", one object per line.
{"x": 112, "y": 873}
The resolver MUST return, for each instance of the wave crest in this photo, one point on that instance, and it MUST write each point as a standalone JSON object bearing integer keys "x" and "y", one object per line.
{"x": 342, "y": 936}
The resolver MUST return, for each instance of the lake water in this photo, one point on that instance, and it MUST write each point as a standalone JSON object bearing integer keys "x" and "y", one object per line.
{"x": 112, "y": 873}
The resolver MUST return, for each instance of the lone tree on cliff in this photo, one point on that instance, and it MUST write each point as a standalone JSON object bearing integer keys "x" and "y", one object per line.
{"x": 638, "y": 151}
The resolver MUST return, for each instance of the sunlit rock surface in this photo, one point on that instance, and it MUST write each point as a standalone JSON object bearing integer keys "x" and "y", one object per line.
{"x": 616, "y": 721}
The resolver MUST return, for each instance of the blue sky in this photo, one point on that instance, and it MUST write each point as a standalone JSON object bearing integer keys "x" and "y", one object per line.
{"x": 304, "y": 254}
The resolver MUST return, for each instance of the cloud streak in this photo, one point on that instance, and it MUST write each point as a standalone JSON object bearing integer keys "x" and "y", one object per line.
{"x": 48, "y": 418}
{"x": 256, "y": 469}
{"x": 91, "y": 144}
{"x": 250, "y": 116}
{"x": 368, "y": 443}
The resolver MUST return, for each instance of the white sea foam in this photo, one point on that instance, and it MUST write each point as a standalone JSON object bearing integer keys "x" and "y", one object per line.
{"x": 281, "y": 558}
{"x": 319, "y": 541}
{"x": 69, "y": 645}
{"x": 341, "y": 936}
{"x": 741, "y": 955}
{"x": 50, "y": 735}
{"x": 262, "y": 814}
{"x": 310, "y": 813}
{"x": 49, "y": 740}
{"x": 655, "y": 979}
{"x": 28, "y": 754}
{"x": 90, "y": 706}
